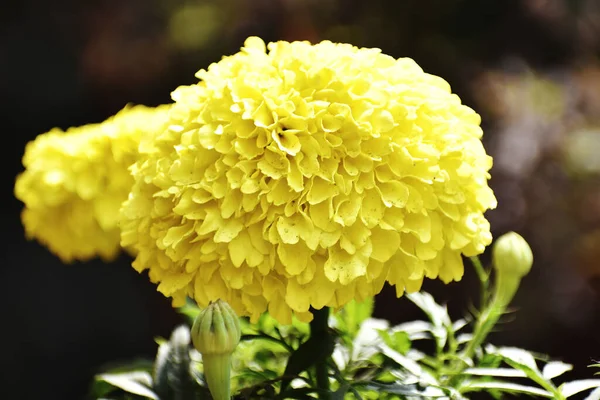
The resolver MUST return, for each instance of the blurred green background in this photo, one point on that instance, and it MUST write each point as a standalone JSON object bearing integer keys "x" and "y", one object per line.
{"x": 531, "y": 68}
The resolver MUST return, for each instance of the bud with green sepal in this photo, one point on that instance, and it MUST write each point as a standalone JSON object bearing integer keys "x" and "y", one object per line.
{"x": 215, "y": 334}
{"x": 512, "y": 258}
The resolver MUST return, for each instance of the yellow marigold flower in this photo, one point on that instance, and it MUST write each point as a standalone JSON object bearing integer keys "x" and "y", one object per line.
{"x": 75, "y": 182}
{"x": 309, "y": 175}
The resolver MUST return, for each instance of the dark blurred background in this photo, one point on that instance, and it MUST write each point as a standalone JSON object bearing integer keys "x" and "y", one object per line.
{"x": 531, "y": 68}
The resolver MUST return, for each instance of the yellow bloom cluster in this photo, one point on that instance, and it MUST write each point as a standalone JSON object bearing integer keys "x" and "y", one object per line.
{"x": 309, "y": 175}
{"x": 75, "y": 182}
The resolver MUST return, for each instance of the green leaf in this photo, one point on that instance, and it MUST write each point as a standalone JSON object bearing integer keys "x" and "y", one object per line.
{"x": 458, "y": 325}
{"x": 428, "y": 392}
{"x": 555, "y": 368}
{"x": 464, "y": 338}
{"x": 524, "y": 360}
{"x": 137, "y": 382}
{"x": 260, "y": 376}
{"x": 568, "y": 389}
{"x": 506, "y": 387}
{"x": 264, "y": 336}
{"x": 442, "y": 325}
{"x": 408, "y": 364}
{"x": 518, "y": 356}
{"x": 398, "y": 340}
{"x": 353, "y": 314}
{"x": 502, "y": 372}
{"x": 416, "y": 330}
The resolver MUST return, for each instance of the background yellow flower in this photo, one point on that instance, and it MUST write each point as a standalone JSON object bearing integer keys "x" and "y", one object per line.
{"x": 309, "y": 175}
{"x": 75, "y": 181}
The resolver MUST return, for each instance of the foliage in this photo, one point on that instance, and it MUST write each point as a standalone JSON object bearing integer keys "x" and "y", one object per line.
{"x": 371, "y": 360}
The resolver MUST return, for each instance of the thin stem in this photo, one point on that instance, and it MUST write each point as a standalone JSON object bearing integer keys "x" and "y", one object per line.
{"x": 491, "y": 310}
{"x": 505, "y": 289}
{"x": 484, "y": 279}
{"x": 486, "y": 321}
{"x": 264, "y": 336}
{"x": 319, "y": 328}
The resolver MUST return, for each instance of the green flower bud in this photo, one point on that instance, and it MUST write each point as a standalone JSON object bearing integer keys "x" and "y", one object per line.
{"x": 512, "y": 255}
{"x": 216, "y": 330}
{"x": 512, "y": 259}
{"x": 215, "y": 334}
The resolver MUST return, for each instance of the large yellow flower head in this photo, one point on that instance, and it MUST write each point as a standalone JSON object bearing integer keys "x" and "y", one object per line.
{"x": 75, "y": 182}
{"x": 309, "y": 175}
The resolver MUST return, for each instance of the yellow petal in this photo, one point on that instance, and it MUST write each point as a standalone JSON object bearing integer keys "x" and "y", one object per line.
{"x": 293, "y": 257}
{"x": 297, "y": 297}
{"x": 372, "y": 209}
{"x": 385, "y": 244}
{"x": 343, "y": 266}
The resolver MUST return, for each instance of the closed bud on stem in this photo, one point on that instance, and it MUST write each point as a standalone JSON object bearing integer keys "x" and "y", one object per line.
{"x": 512, "y": 255}
{"x": 512, "y": 258}
{"x": 215, "y": 334}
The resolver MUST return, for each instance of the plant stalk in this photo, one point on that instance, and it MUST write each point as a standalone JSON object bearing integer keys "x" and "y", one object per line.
{"x": 319, "y": 328}
{"x": 484, "y": 279}
{"x": 217, "y": 373}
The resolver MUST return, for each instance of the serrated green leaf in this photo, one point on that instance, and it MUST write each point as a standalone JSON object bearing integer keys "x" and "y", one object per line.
{"x": 464, "y": 338}
{"x": 398, "y": 340}
{"x": 416, "y": 330}
{"x": 502, "y": 372}
{"x": 518, "y": 356}
{"x": 458, "y": 325}
{"x": 137, "y": 382}
{"x": 568, "y": 389}
{"x": 442, "y": 324}
{"x": 555, "y": 368}
{"x": 429, "y": 392}
{"x": 506, "y": 387}
{"x": 410, "y": 365}
{"x": 524, "y": 360}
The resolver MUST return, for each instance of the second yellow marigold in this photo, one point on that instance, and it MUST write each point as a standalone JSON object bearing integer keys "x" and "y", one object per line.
{"x": 75, "y": 182}
{"x": 309, "y": 175}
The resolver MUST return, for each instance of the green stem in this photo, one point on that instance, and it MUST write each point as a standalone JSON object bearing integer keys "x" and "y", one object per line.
{"x": 492, "y": 310}
{"x": 484, "y": 279}
{"x": 505, "y": 289}
{"x": 319, "y": 328}
{"x": 217, "y": 372}
{"x": 485, "y": 323}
